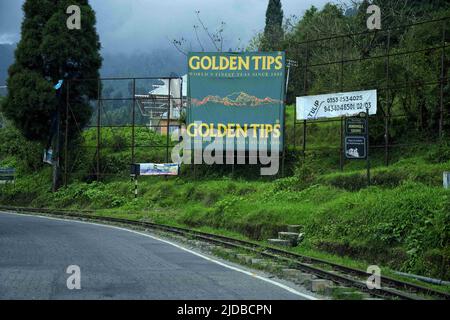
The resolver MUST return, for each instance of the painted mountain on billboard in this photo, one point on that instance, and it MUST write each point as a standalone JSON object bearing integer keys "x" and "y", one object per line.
{"x": 236, "y": 99}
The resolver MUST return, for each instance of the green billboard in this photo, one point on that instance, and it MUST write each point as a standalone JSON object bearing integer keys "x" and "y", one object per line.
{"x": 237, "y": 95}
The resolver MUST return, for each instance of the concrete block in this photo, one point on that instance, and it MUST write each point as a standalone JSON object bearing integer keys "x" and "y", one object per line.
{"x": 321, "y": 285}
{"x": 257, "y": 261}
{"x": 244, "y": 258}
{"x": 279, "y": 242}
{"x": 290, "y": 236}
{"x": 292, "y": 273}
{"x": 299, "y": 277}
{"x": 294, "y": 228}
{"x": 305, "y": 279}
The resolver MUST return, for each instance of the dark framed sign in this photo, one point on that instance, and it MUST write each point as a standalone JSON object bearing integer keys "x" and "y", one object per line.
{"x": 355, "y": 126}
{"x": 355, "y": 147}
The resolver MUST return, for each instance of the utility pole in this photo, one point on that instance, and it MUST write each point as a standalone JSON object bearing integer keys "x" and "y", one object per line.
{"x": 57, "y": 139}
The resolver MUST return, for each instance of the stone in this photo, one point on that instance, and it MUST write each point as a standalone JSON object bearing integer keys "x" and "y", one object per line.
{"x": 321, "y": 285}
{"x": 244, "y": 257}
{"x": 258, "y": 261}
{"x": 292, "y": 273}
{"x": 299, "y": 277}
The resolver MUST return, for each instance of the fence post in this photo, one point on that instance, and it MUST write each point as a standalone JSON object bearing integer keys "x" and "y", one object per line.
{"x": 66, "y": 138}
{"x": 388, "y": 97}
{"x": 133, "y": 124}
{"x": 168, "y": 121}
{"x": 341, "y": 150}
{"x": 98, "y": 128}
{"x": 305, "y": 92}
{"x": 441, "y": 98}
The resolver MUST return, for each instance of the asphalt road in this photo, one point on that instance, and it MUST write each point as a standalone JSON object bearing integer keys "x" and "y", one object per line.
{"x": 35, "y": 253}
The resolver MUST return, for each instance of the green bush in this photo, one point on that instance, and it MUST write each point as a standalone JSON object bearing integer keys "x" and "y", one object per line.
{"x": 28, "y": 155}
{"x": 439, "y": 153}
{"x": 350, "y": 182}
{"x": 388, "y": 178}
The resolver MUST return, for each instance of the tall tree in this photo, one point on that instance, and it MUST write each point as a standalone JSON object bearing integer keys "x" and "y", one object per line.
{"x": 48, "y": 52}
{"x": 273, "y": 31}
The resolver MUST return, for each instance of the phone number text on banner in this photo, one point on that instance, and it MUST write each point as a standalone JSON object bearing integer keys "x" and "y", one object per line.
{"x": 336, "y": 105}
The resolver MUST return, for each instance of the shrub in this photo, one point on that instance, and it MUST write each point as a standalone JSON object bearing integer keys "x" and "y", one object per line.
{"x": 388, "y": 178}
{"x": 439, "y": 153}
{"x": 350, "y": 182}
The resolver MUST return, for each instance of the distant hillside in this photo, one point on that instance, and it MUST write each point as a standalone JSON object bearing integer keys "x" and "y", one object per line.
{"x": 6, "y": 59}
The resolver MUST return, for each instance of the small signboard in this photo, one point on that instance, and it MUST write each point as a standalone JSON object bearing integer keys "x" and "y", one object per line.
{"x": 7, "y": 175}
{"x": 356, "y": 147}
{"x": 155, "y": 169}
{"x": 355, "y": 126}
{"x": 48, "y": 156}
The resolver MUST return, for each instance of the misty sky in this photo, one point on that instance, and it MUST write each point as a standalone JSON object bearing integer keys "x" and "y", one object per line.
{"x": 130, "y": 26}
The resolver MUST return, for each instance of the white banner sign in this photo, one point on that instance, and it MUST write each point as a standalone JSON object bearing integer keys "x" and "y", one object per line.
{"x": 154, "y": 169}
{"x": 336, "y": 105}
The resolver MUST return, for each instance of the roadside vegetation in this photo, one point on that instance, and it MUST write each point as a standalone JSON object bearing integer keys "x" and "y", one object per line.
{"x": 402, "y": 221}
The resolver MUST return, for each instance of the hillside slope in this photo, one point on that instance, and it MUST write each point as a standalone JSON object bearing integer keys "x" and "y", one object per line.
{"x": 402, "y": 221}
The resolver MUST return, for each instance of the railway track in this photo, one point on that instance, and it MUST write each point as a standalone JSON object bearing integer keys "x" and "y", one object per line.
{"x": 355, "y": 278}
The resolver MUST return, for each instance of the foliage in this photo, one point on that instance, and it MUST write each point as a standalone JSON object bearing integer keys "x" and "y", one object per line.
{"x": 414, "y": 77}
{"x": 15, "y": 151}
{"x": 273, "y": 31}
{"x": 48, "y": 52}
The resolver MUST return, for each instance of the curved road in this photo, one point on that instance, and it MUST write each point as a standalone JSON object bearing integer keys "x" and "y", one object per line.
{"x": 115, "y": 264}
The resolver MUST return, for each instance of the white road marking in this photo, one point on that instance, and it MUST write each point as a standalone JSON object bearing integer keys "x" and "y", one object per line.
{"x": 280, "y": 285}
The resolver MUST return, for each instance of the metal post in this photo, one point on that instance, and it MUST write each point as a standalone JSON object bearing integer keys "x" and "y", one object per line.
{"x": 388, "y": 97}
{"x": 135, "y": 186}
{"x": 295, "y": 127}
{"x": 168, "y": 121}
{"x": 98, "y": 129}
{"x": 66, "y": 138}
{"x": 56, "y": 161}
{"x": 181, "y": 110}
{"x": 342, "y": 66}
{"x": 284, "y": 121}
{"x": 304, "y": 138}
{"x": 284, "y": 142}
{"x": 368, "y": 147}
{"x": 133, "y": 137}
{"x": 341, "y": 151}
{"x": 305, "y": 92}
{"x": 441, "y": 115}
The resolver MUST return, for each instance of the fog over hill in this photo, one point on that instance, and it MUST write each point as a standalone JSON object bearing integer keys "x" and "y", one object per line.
{"x": 6, "y": 59}
{"x": 158, "y": 63}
